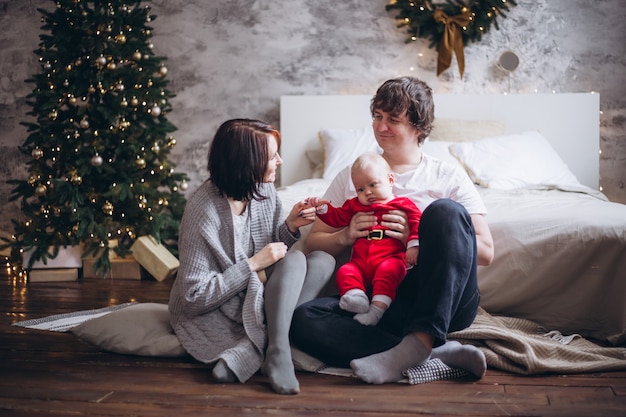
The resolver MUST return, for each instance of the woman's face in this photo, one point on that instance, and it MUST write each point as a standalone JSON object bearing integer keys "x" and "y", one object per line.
{"x": 275, "y": 159}
{"x": 393, "y": 131}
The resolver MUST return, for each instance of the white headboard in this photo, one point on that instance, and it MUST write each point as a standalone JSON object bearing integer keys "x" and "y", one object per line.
{"x": 569, "y": 121}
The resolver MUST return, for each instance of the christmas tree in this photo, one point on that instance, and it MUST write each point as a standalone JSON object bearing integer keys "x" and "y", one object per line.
{"x": 99, "y": 140}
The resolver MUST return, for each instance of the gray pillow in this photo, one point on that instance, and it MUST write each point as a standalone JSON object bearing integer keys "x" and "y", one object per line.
{"x": 141, "y": 329}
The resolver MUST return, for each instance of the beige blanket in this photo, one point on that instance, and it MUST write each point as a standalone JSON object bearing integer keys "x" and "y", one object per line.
{"x": 524, "y": 347}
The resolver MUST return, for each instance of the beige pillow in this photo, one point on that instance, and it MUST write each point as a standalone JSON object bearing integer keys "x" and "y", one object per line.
{"x": 454, "y": 130}
{"x": 141, "y": 329}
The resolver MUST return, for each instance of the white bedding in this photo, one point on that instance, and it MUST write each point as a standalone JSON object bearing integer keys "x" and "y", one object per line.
{"x": 560, "y": 254}
{"x": 560, "y": 257}
{"x": 560, "y": 260}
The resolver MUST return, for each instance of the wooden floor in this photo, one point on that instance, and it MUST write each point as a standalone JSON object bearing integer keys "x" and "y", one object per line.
{"x": 55, "y": 374}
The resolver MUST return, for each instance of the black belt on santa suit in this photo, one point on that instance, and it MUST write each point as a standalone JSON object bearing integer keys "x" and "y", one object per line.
{"x": 376, "y": 234}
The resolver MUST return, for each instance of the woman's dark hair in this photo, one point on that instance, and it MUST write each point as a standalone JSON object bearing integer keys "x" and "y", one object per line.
{"x": 410, "y": 95}
{"x": 239, "y": 156}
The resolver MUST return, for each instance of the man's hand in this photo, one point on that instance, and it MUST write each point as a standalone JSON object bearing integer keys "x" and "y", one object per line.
{"x": 397, "y": 223}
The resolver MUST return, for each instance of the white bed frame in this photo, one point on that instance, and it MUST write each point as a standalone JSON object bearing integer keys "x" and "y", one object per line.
{"x": 569, "y": 121}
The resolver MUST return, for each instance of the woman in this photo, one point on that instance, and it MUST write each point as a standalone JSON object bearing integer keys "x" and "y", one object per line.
{"x": 237, "y": 286}
{"x": 440, "y": 294}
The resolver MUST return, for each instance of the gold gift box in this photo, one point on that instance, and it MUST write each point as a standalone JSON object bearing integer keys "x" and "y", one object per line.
{"x": 121, "y": 268}
{"x": 155, "y": 258}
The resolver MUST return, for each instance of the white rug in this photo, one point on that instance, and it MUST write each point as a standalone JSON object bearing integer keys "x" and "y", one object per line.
{"x": 67, "y": 321}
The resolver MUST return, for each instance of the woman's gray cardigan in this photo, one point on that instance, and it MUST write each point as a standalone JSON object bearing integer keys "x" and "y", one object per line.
{"x": 216, "y": 302}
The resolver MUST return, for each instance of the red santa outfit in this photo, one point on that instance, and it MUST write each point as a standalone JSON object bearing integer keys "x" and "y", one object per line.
{"x": 377, "y": 262}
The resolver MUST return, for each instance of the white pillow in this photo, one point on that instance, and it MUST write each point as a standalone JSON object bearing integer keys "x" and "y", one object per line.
{"x": 342, "y": 146}
{"x": 441, "y": 150}
{"x": 513, "y": 161}
{"x": 142, "y": 329}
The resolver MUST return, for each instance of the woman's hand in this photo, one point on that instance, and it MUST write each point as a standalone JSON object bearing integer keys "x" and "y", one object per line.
{"x": 398, "y": 224}
{"x": 269, "y": 255}
{"x": 303, "y": 212}
{"x": 300, "y": 215}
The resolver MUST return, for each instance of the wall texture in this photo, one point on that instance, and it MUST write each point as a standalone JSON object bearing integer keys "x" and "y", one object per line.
{"x": 235, "y": 58}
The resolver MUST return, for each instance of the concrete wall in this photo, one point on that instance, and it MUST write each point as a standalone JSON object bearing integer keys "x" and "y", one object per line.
{"x": 235, "y": 58}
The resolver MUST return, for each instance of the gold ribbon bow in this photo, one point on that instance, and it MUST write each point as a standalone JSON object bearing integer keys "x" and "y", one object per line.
{"x": 452, "y": 40}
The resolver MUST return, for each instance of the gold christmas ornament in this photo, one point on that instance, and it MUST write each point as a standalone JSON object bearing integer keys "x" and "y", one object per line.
{"x": 123, "y": 124}
{"x": 140, "y": 162}
{"x": 137, "y": 56}
{"x": 37, "y": 153}
{"x": 107, "y": 208}
{"x": 171, "y": 142}
{"x": 84, "y": 123}
{"x": 184, "y": 185}
{"x": 121, "y": 38}
{"x": 155, "y": 111}
{"x": 41, "y": 190}
{"x": 163, "y": 71}
{"x": 53, "y": 115}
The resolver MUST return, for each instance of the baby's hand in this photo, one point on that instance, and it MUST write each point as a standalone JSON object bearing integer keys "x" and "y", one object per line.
{"x": 318, "y": 203}
{"x": 411, "y": 256}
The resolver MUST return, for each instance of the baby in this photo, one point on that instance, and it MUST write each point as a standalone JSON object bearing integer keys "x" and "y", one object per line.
{"x": 378, "y": 262}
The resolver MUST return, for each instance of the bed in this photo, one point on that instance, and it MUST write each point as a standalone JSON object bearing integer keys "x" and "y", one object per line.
{"x": 560, "y": 244}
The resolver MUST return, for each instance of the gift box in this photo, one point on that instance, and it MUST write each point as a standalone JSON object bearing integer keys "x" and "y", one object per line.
{"x": 68, "y": 257}
{"x": 53, "y": 275}
{"x": 121, "y": 268}
{"x": 155, "y": 258}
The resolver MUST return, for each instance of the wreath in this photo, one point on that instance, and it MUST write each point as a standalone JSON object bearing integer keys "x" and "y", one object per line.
{"x": 451, "y": 25}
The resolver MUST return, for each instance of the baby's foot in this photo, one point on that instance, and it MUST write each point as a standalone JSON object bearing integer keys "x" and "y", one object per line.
{"x": 355, "y": 301}
{"x": 372, "y": 317}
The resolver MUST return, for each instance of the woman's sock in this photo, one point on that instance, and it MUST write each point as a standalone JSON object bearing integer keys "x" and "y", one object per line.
{"x": 222, "y": 373}
{"x": 387, "y": 366}
{"x": 278, "y": 366}
{"x": 466, "y": 357}
{"x": 281, "y": 294}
